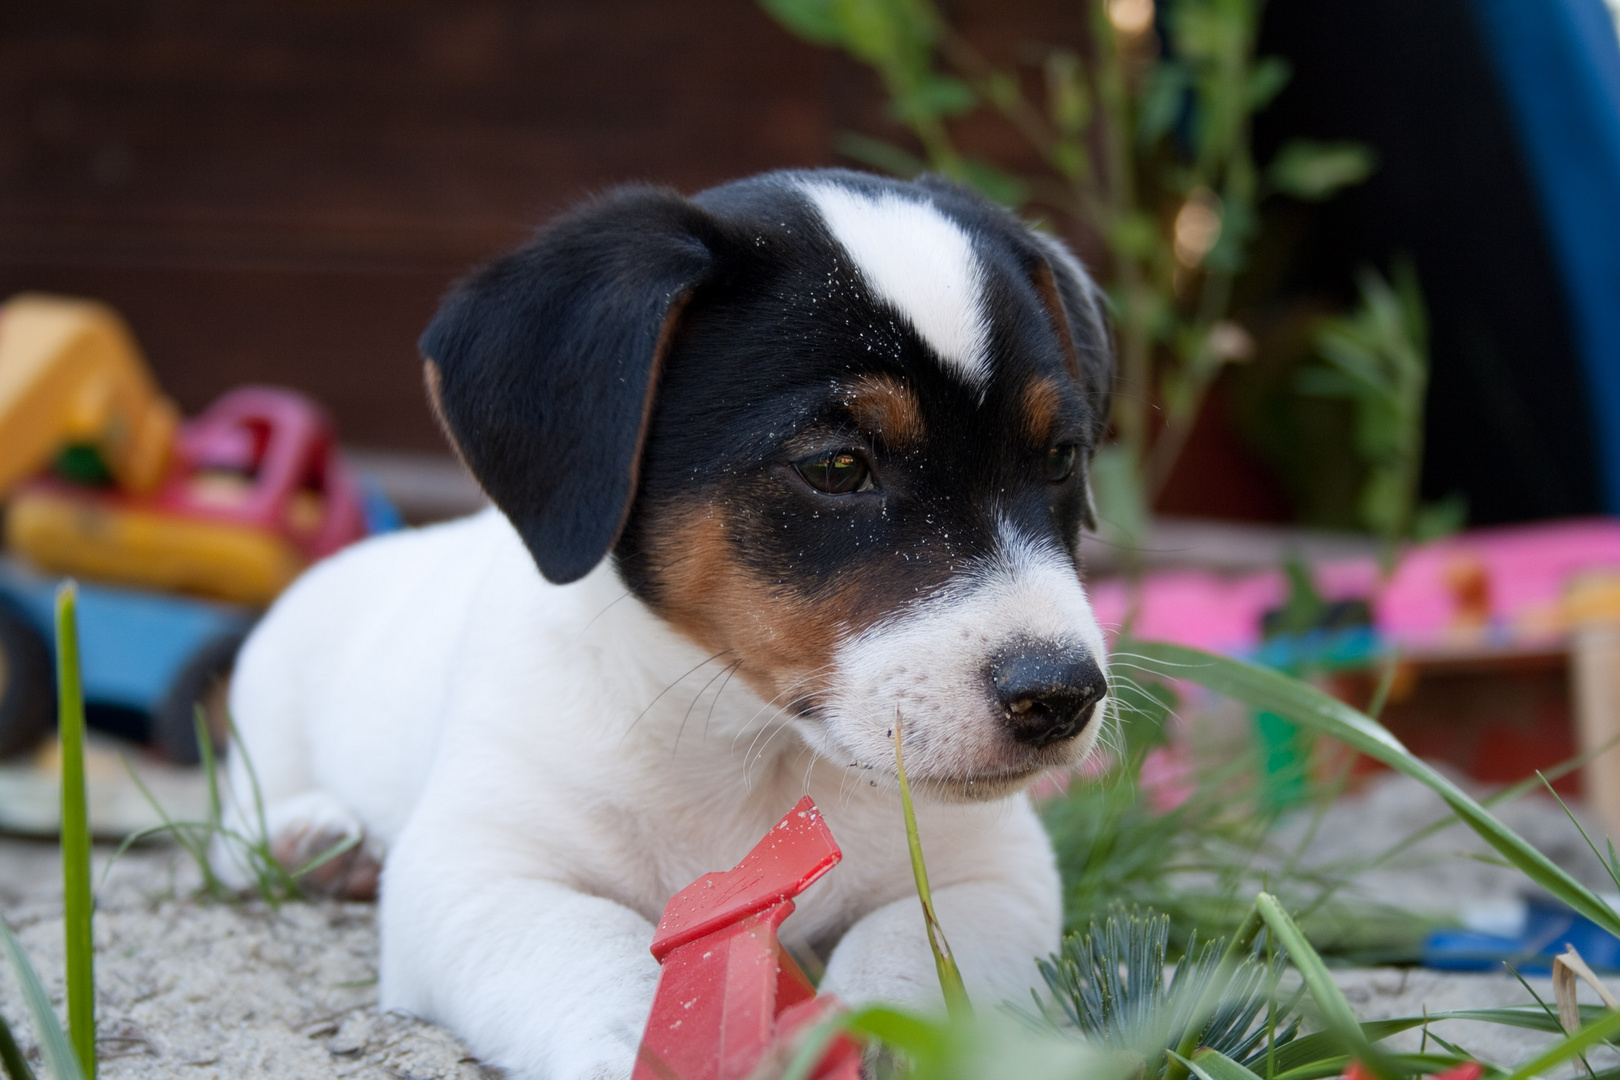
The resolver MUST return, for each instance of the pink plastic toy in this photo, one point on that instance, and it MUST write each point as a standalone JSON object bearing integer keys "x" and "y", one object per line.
{"x": 729, "y": 994}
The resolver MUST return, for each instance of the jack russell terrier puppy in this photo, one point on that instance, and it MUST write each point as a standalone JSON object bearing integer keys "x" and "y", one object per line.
{"x": 771, "y": 466}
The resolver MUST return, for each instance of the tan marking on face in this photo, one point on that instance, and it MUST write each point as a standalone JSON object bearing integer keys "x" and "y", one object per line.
{"x": 1042, "y": 409}
{"x": 1046, "y": 286}
{"x": 886, "y": 407}
{"x": 784, "y": 643}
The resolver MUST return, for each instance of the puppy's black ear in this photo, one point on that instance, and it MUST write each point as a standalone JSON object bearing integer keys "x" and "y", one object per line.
{"x": 1078, "y": 310}
{"x": 543, "y": 366}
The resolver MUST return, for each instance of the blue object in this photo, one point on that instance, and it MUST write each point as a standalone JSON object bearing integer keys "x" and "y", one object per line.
{"x": 133, "y": 645}
{"x": 1549, "y": 927}
{"x": 381, "y": 515}
{"x": 1332, "y": 650}
{"x": 1558, "y": 62}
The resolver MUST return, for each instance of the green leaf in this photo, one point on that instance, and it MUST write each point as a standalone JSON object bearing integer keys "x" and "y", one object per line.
{"x": 1213, "y": 1065}
{"x": 1163, "y": 100}
{"x": 78, "y": 902}
{"x": 1068, "y": 99}
{"x": 1304, "y": 704}
{"x": 1599, "y": 1031}
{"x": 1122, "y": 512}
{"x": 1313, "y": 171}
{"x": 11, "y": 1055}
{"x": 950, "y": 977}
{"x": 1330, "y": 1000}
{"x": 913, "y": 1035}
{"x": 1320, "y": 1045}
{"x": 60, "y": 1056}
{"x": 1433, "y": 520}
{"x": 813, "y": 20}
{"x": 1266, "y": 81}
{"x": 934, "y": 96}
{"x": 812, "y": 1044}
{"x": 993, "y": 183}
{"x": 1135, "y": 235}
{"x": 879, "y": 154}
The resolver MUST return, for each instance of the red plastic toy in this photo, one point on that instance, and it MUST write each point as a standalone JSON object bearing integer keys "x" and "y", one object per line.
{"x": 729, "y": 994}
{"x": 255, "y": 491}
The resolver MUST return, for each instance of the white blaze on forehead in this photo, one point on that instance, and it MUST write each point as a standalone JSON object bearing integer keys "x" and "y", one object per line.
{"x": 920, "y": 262}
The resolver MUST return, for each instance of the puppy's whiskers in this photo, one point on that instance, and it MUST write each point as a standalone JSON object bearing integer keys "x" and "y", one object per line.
{"x": 699, "y": 665}
{"x": 725, "y": 672}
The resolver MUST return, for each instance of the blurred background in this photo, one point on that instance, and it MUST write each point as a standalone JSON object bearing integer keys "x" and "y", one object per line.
{"x": 280, "y": 191}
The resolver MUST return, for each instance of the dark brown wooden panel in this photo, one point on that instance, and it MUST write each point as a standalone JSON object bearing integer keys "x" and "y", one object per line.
{"x": 279, "y": 190}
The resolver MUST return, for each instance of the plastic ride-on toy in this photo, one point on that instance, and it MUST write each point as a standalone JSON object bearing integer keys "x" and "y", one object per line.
{"x": 729, "y": 994}
{"x": 231, "y": 506}
{"x": 255, "y": 493}
{"x": 72, "y": 376}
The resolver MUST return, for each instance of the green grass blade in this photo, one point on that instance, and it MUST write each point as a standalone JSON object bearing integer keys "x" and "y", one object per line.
{"x": 11, "y": 1055}
{"x": 1416, "y": 1065}
{"x": 1213, "y": 1065}
{"x": 1209, "y": 1000}
{"x": 1305, "y": 1049}
{"x": 78, "y": 903}
{"x": 1530, "y": 1017}
{"x": 53, "y": 1041}
{"x": 912, "y": 1035}
{"x": 950, "y": 977}
{"x": 1304, "y": 704}
{"x": 181, "y": 831}
{"x": 1575, "y": 821}
{"x": 812, "y": 1044}
{"x": 210, "y": 764}
{"x": 1589, "y": 1036}
{"x": 318, "y": 861}
{"x": 1330, "y": 1000}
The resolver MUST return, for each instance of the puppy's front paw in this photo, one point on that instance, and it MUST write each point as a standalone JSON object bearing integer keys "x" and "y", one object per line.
{"x": 306, "y": 830}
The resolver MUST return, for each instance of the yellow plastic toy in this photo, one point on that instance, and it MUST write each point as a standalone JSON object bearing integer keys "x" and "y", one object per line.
{"x": 72, "y": 375}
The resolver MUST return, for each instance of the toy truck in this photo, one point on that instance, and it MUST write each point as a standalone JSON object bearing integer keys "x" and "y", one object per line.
{"x": 182, "y": 531}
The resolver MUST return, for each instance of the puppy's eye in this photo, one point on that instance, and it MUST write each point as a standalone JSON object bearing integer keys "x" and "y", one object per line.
{"x": 1060, "y": 462}
{"x": 838, "y": 472}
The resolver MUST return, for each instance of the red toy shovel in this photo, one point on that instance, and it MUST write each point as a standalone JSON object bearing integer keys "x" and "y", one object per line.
{"x": 729, "y": 993}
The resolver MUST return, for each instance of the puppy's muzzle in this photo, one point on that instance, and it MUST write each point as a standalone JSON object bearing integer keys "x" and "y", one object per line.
{"x": 1047, "y": 691}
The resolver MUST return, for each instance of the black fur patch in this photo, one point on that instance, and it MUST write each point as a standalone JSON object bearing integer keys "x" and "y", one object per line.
{"x": 549, "y": 356}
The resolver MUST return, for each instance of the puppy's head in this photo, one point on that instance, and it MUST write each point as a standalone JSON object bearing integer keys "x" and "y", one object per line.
{"x": 831, "y": 427}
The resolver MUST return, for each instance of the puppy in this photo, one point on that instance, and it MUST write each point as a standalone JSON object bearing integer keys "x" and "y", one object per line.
{"x": 772, "y": 467}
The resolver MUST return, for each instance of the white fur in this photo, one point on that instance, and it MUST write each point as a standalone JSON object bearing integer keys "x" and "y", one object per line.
{"x": 922, "y": 264}
{"x": 546, "y": 765}
{"x": 928, "y": 662}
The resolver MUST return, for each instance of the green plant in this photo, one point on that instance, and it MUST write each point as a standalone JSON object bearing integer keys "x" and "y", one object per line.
{"x": 70, "y": 1055}
{"x": 1145, "y": 147}
{"x": 273, "y": 883}
{"x": 1377, "y": 358}
{"x": 78, "y": 902}
{"x": 1109, "y": 986}
{"x": 950, "y": 978}
{"x": 61, "y": 1057}
{"x": 1201, "y": 854}
{"x": 1111, "y": 1015}
{"x": 1303, "y": 704}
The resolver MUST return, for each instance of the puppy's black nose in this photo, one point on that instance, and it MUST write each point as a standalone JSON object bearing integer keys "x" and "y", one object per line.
{"x": 1047, "y": 691}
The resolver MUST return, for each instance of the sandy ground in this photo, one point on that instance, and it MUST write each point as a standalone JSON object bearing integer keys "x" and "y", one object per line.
{"x": 216, "y": 991}
{"x": 196, "y": 989}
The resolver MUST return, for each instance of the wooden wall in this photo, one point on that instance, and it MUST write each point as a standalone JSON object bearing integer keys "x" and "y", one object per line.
{"x": 280, "y": 190}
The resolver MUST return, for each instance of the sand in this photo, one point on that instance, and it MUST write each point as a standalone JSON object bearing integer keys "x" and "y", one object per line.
{"x": 236, "y": 991}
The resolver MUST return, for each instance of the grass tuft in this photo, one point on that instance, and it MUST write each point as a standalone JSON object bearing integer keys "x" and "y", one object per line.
{"x": 950, "y": 977}
{"x": 78, "y": 901}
